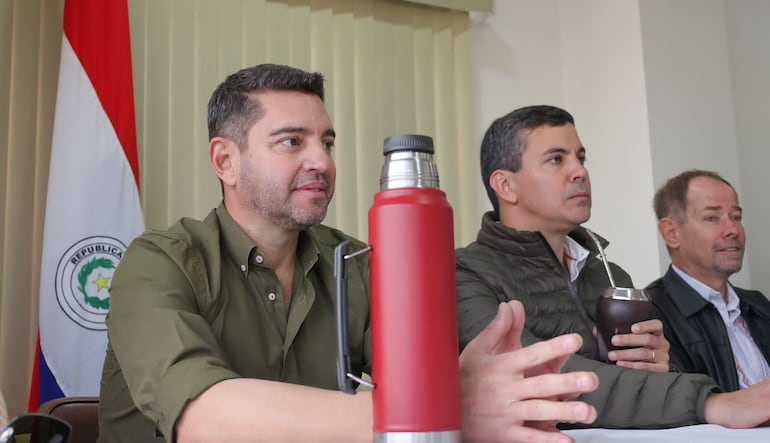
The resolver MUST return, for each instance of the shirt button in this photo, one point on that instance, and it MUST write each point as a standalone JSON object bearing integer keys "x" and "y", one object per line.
{"x": 259, "y": 259}
{"x": 243, "y": 268}
{"x": 271, "y": 296}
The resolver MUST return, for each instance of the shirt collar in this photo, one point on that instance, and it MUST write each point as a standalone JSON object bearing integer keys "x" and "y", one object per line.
{"x": 308, "y": 252}
{"x": 244, "y": 252}
{"x": 710, "y": 294}
{"x": 575, "y": 256}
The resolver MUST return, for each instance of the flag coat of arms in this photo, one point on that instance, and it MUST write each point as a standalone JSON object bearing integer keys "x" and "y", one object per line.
{"x": 92, "y": 207}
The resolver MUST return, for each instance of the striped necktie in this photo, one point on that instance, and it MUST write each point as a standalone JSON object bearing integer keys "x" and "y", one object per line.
{"x": 755, "y": 372}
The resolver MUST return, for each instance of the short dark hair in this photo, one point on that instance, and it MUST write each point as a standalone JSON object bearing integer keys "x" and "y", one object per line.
{"x": 234, "y": 106}
{"x": 504, "y": 142}
{"x": 671, "y": 199}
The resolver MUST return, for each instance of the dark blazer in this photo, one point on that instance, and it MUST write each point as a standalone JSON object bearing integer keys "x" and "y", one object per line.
{"x": 698, "y": 337}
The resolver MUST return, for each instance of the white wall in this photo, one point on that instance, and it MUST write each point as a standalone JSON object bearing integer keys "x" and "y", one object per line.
{"x": 689, "y": 93}
{"x": 656, "y": 87}
{"x": 749, "y": 56}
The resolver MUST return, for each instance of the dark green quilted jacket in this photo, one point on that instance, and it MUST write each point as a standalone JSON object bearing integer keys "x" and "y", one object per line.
{"x": 504, "y": 264}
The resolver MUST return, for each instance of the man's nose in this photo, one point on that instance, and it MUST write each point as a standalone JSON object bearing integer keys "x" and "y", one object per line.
{"x": 578, "y": 170}
{"x": 318, "y": 157}
{"x": 731, "y": 227}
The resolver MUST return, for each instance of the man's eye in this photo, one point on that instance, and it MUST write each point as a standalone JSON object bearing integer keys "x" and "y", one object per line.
{"x": 329, "y": 145}
{"x": 555, "y": 160}
{"x": 292, "y": 141}
{"x": 710, "y": 218}
{"x": 737, "y": 218}
{"x": 582, "y": 159}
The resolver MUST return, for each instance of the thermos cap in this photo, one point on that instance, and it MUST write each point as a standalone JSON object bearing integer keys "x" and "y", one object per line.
{"x": 408, "y": 142}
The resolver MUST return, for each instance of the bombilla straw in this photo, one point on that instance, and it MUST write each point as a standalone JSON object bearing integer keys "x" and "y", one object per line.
{"x": 602, "y": 255}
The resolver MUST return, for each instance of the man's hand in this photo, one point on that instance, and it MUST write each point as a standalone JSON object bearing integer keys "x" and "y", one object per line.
{"x": 649, "y": 348}
{"x": 515, "y": 394}
{"x": 746, "y": 408}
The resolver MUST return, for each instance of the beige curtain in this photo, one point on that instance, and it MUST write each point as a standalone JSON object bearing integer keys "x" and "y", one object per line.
{"x": 392, "y": 67}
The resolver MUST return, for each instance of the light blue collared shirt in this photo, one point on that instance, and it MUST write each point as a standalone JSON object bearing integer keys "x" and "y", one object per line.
{"x": 576, "y": 257}
{"x": 751, "y": 365}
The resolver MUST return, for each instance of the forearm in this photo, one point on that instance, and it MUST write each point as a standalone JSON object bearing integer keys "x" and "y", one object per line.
{"x": 661, "y": 400}
{"x": 259, "y": 410}
{"x": 740, "y": 409}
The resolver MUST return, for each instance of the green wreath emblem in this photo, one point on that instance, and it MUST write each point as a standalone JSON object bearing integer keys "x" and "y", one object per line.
{"x": 83, "y": 275}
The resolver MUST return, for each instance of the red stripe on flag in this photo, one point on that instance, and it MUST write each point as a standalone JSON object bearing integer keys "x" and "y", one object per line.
{"x": 34, "y": 391}
{"x": 98, "y": 31}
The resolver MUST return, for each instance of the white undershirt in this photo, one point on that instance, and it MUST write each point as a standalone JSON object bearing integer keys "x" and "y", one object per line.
{"x": 749, "y": 361}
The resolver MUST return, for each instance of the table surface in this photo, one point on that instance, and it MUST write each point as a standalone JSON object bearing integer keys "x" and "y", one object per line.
{"x": 692, "y": 434}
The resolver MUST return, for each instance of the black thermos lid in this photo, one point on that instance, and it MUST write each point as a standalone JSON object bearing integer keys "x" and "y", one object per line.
{"x": 408, "y": 142}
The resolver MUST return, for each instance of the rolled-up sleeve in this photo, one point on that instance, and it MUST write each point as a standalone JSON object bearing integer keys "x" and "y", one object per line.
{"x": 165, "y": 348}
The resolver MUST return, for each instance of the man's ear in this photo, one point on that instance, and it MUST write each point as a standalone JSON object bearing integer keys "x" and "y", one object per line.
{"x": 225, "y": 157}
{"x": 504, "y": 185}
{"x": 669, "y": 231}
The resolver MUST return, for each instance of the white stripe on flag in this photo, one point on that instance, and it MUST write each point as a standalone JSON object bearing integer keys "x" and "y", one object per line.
{"x": 92, "y": 214}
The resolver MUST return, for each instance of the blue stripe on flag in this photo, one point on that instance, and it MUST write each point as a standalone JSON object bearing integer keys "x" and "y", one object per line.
{"x": 49, "y": 389}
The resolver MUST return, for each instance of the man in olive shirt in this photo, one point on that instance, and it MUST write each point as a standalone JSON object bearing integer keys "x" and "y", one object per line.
{"x": 223, "y": 329}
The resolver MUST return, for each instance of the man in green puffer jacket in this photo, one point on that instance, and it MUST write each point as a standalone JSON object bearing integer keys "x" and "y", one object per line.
{"x": 532, "y": 248}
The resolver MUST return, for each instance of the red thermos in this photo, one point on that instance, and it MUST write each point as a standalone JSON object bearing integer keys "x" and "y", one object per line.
{"x": 413, "y": 297}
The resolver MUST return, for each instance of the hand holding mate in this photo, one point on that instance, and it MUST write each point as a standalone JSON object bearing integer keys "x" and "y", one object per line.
{"x": 649, "y": 347}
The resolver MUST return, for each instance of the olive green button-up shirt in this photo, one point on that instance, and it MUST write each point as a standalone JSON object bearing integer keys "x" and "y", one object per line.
{"x": 199, "y": 303}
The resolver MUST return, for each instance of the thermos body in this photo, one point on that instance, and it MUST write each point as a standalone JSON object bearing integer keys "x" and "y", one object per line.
{"x": 414, "y": 313}
{"x": 415, "y": 347}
